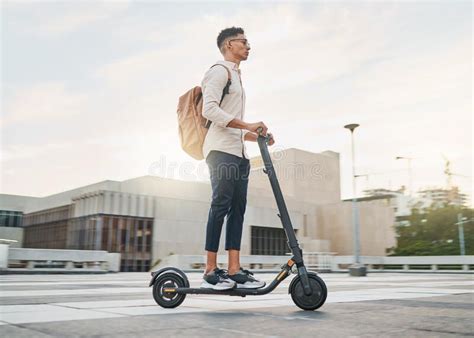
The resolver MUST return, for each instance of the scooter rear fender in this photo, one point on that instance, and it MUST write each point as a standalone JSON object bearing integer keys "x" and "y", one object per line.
{"x": 156, "y": 274}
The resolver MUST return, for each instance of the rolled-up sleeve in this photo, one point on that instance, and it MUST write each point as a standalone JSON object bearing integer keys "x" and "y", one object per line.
{"x": 212, "y": 85}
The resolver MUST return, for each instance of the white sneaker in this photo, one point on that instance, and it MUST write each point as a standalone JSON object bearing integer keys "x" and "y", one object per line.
{"x": 246, "y": 280}
{"x": 217, "y": 280}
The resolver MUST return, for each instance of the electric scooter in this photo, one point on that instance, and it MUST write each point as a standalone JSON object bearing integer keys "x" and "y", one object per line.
{"x": 307, "y": 289}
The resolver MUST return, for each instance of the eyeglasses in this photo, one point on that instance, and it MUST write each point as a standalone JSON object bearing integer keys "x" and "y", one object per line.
{"x": 245, "y": 41}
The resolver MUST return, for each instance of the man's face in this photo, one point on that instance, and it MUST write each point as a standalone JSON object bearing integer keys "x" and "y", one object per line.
{"x": 239, "y": 46}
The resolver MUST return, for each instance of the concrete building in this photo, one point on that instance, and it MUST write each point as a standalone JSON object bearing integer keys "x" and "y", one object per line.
{"x": 437, "y": 197}
{"x": 397, "y": 200}
{"x": 147, "y": 218}
{"x": 402, "y": 204}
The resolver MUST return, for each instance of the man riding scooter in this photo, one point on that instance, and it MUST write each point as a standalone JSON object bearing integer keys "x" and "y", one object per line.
{"x": 226, "y": 157}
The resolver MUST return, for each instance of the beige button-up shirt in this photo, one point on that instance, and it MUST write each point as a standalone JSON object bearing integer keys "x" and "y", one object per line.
{"x": 219, "y": 137}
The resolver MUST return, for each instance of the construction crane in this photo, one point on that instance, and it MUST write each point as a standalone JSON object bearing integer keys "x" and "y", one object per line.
{"x": 449, "y": 174}
{"x": 452, "y": 191}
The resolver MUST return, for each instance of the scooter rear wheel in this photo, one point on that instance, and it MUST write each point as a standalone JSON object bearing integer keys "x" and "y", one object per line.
{"x": 317, "y": 298}
{"x": 168, "y": 299}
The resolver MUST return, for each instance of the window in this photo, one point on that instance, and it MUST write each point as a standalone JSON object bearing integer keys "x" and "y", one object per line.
{"x": 268, "y": 241}
{"x": 130, "y": 236}
{"x": 10, "y": 218}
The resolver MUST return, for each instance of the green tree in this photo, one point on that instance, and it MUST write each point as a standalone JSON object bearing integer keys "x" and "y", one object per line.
{"x": 434, "y": 233}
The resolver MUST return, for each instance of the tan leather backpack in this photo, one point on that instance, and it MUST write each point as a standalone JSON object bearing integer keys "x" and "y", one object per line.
{"x": 192, "y": 125}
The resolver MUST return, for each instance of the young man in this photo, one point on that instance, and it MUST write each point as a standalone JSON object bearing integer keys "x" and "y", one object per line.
{"x": 228, "y": 162}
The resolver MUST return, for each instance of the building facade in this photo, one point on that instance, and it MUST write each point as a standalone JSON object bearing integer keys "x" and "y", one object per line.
{"x": 148, "y": 218}
{"x": 438, "y": 197}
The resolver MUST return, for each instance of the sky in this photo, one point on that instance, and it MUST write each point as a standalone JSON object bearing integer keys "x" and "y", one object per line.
{"x": 89, "y": 89}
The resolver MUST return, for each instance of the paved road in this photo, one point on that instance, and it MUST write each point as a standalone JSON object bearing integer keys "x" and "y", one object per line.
{"x": 380, "y": 305}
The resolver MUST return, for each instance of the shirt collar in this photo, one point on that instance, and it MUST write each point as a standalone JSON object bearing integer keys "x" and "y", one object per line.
{"x": 230, "y": 64}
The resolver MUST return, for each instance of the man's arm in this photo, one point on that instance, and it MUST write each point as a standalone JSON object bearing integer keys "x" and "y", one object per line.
{"x": 252, "y": 137}
{"x": 249, "y": 136}
{"x": 251, "y": 127}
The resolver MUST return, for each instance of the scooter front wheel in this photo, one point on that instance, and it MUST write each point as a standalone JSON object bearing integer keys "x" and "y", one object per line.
{"x": 168, "y": 299}
{"x": 316, "y": 299}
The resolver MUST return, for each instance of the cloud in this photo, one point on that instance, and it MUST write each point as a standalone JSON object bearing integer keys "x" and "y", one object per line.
{"x": 17, "y": 151}
{"x": 293, "y": 46}
{"x": 59, "y": 18}
{"x": 42, "y": 102}
{"x": 288, "y": 37}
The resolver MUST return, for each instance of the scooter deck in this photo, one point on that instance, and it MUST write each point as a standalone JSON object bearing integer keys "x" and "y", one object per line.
{"x": 231, "y": 292}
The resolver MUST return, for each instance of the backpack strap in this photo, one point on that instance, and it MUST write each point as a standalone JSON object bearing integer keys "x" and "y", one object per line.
{"x": 229, "y": 82}
{"x": 224, "y": 91}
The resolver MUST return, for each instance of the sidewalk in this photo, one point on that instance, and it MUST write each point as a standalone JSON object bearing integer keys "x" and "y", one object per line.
{"x": 122, "y": 305}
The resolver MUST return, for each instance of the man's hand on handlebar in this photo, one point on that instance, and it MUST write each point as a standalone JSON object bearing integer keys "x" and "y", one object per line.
{"x": 254, "y": 127}
{"x": 268, "y": 138}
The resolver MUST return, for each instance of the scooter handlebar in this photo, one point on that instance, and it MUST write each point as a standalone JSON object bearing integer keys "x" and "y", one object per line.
{"x": 259, "y": 131}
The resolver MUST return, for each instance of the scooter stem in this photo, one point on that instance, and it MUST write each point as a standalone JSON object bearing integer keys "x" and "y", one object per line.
{"x": 284, "y": 215}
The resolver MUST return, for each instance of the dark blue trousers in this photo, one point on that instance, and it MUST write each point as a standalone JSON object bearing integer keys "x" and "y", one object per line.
{"x": 229, "y": 181}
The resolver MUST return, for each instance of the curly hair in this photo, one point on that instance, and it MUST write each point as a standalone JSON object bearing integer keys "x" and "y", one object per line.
{"x": 227, "y": 33}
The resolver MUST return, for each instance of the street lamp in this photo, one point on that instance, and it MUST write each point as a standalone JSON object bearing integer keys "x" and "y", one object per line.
{"x": 356, "y": 269}
{"x": 410, "y": 173}
{"x": 460, "y": 223}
